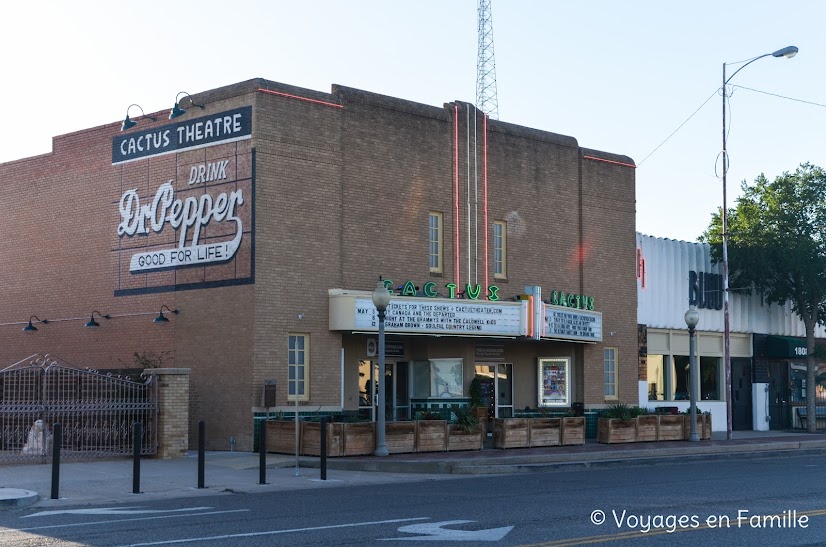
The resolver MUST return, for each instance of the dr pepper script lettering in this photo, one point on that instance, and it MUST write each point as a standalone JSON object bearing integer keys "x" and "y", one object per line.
{"x": 192, "y": 213}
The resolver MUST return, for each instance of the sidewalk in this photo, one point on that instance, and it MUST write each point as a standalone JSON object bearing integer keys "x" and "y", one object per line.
{"x": 110, "y": 481}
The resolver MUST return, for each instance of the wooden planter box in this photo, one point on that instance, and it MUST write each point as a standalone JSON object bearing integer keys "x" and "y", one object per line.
{"x": 614, "y": 430}
{"x": 400, "y": 437}
{"x": 670, "y": 428}
{"x": 431, "y": 436}
{"x": 511, "y": 433}
{"x": 280, "y": 436}
{"x": 706, "y": 435}
{"x": 545, "y": 431}
{"x": 647, "y": 428}
{"x": 703, "y": 426}
{"x": 573, "y": 430}
{"x": 359, "y": 438}
{"x": 311, "y": 439}
{"x": 457, "y": 439}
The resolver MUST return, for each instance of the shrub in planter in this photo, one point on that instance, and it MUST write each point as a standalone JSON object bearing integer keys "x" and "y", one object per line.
{"x": 617, "y": 424}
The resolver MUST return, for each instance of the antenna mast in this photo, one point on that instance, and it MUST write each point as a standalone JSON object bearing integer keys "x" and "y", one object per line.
{"x": 486, "y": 99}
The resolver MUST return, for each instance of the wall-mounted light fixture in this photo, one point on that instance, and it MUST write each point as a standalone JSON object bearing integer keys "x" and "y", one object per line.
{"x": 129, "y": 123}
{"x": 30, "y": 327}
{"x": 92, "y": 323}
{"x": 177, "y": 110}
{"x": 161, "y": 318}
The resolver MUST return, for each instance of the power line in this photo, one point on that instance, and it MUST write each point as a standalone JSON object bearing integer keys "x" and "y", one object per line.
{"x": 680, "y": 127}
{"x": 812, "y": 103}
{"x": 781, "y": 96}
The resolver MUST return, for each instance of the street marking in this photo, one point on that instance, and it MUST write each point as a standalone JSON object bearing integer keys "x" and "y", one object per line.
{"x": 8, "y": 530}
{"x": 433, "y": 531}
{"x": 273, "y": 532}
{"x": 112, "y": 511}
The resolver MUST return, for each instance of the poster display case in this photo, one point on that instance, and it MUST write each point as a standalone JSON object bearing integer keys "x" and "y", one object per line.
{"x": 554, "y": 381}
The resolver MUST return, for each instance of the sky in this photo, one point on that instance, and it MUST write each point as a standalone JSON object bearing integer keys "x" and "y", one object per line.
{"x": 618, "y": 76}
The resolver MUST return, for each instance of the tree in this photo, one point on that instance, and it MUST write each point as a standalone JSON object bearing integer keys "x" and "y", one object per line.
{"x": 777, "y": 248}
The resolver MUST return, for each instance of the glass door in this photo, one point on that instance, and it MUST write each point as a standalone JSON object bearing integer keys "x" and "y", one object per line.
{"x": 396, "y": 394}
{"x": 368, "y": 389}
{"x": 504, "y": 390}
{"x": 497, "y": 389}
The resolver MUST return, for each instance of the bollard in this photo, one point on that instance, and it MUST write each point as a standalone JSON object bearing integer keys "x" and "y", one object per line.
{"x": 136, "y": 457}
{"x": 324, "y": 448}
{"x": 57, "y": 435}
{"x": 201, "y": 441}
{"x": 262, "y": 452}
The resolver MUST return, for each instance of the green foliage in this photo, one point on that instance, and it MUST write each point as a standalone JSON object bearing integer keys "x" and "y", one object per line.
{"x": 464, "y": 419}
{"x": 476, "y": 391}
{"x": 619, "y": 411}
{"x": 776, "y": 239}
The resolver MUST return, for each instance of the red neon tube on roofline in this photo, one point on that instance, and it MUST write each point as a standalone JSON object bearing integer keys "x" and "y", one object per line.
{"x": 631, "y": 165}
{"x": 316, "y": 101}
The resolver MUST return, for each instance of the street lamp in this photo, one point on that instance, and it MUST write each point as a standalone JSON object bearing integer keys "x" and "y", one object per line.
{"x": 381, "y": 299}
{"x": 692, "y": 317}
{"x": 788, "y": 53}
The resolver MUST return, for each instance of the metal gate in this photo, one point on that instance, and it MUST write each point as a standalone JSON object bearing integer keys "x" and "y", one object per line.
{"x": 96, "y": 412}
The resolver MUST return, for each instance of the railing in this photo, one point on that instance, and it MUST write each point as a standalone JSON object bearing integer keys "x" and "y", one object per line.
{"x": 95, "y": 410}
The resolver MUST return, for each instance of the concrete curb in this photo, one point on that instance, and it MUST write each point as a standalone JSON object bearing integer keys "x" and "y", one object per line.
{"x": 536, "y": 462}
{"x": 13, "y": 498}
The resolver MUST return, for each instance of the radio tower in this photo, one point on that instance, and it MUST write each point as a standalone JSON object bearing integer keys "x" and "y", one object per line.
{"x": 486, "y": 99}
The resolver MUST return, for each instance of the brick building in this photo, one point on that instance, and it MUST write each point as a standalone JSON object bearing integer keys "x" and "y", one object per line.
{"x": 265, "y": 215}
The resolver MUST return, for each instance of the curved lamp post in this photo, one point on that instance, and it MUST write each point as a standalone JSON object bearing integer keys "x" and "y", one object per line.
{"x": 692, "y": 317}
{"x": 788, "y": 53}
{"x": 381, "y": 299}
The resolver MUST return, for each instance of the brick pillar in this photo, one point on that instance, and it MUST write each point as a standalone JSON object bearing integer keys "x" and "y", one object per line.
{"x": 173, "y": 410}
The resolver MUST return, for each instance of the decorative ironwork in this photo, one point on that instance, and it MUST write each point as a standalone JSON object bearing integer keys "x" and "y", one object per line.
{"x": 96, "y": 411}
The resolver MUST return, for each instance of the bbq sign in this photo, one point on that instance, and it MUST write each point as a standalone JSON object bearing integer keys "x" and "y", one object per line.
{"x": 224, "y": 127}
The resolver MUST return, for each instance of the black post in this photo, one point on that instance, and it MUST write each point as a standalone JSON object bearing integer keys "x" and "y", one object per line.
{"x": 262, "y": 452}
{"x": 201, "y": 441}
{"x": 136, "y": 457}
{"x": 57, "y": 435}
{"x": 324, "y": 448}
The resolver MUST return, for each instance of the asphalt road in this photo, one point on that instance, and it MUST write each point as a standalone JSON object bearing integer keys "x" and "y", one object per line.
{"x": 779, "y": 501}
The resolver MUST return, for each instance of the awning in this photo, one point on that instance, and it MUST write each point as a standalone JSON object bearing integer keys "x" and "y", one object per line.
{"x": 785, "y": 347}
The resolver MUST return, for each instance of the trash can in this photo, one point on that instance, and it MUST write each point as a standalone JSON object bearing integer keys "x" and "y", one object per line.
{"x": 591, "y": 417}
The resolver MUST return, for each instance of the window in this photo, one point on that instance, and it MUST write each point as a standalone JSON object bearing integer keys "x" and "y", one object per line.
{"x": 298, "y": 367}
{"x": 435, "y": 239}
{"x": 609, "y": 360}
{"x": 500, "y": 261}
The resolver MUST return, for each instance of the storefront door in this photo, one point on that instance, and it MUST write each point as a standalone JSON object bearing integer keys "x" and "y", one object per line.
{"x": 497, "y": 389}
{"x": 741, "y": 418}
{"x": 779, "y": 396}
{"x": 396, "y": 390}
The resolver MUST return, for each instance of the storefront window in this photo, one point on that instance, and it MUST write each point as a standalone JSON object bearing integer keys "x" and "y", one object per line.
{"x": 710, "y": 378}
{"x": 656, "y": 378}
{"x": 798, "y": 383}
{"x": 680, "y": 379}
